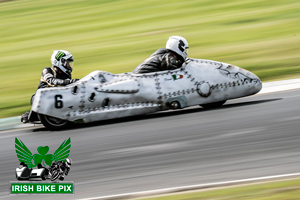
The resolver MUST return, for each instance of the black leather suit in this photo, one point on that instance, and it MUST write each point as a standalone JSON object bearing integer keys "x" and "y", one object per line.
{"x": 52, "y": 78}
{"x": 160, "y": 60}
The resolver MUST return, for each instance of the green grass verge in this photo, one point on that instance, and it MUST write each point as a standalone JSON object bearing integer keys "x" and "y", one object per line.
{"x": 282, "y": 190}
{"x": 117, "y": 35}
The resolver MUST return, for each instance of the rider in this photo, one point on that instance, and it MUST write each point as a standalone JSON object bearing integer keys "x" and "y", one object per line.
{"x": 169, "y": 58}
{"x": 59, "y": 74}
{"x": 62, "y": 167}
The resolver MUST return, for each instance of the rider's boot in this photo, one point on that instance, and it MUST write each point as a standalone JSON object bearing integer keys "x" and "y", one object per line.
{"x": 24, "y": 117}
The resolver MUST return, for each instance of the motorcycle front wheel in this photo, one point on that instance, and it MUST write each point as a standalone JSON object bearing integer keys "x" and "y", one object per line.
{"x": 53, "y": 123}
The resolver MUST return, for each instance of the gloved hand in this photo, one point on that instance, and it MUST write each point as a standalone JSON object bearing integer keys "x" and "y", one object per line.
{"x": 74, "y": 80}
{"x": 172, "y": 63}
{"x": 69, "y": 81}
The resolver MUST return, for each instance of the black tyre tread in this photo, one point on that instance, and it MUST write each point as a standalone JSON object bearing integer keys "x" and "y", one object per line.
{"x": 54, "y": 176}
{"x": 45, "y": 121}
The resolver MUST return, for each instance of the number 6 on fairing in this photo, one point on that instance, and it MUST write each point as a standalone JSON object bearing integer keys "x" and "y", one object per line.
{"x": 58, "y": 102}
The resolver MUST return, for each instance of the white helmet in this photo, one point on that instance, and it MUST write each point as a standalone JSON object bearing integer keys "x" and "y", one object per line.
{"x": 179, "y": 45}
{"x": 63, "y": 60}
{"x": 69, "y": 161}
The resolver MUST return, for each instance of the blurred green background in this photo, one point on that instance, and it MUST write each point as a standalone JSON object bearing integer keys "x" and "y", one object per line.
{"x": 262, "y": 36}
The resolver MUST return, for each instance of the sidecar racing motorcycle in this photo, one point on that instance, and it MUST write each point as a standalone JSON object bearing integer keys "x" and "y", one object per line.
{"x": 25, "y": 173}
{"x": 103, "y": 95}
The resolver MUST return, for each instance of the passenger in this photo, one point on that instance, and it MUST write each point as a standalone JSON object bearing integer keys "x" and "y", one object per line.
{"x": 169, "y": 58}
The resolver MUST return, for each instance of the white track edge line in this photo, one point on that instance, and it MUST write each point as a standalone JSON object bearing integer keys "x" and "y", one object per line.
{"x": 190, "y": 187}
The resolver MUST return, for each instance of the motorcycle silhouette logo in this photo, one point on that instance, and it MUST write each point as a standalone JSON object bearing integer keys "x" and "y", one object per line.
{"x": 49, "y": 166}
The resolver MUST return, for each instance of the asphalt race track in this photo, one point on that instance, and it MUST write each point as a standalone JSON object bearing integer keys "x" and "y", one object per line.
{"x": 246, "y": 138}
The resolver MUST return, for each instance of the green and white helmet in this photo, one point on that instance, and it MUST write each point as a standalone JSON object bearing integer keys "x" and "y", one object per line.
{"x": 179, "y": 45}
{"x": 63, "y": 60}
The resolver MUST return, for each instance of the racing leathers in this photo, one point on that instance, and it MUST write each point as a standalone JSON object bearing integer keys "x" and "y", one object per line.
{"x": 59, "y": 169}
{"x": 53, "y": 78}
{"x": 160, "y": 60}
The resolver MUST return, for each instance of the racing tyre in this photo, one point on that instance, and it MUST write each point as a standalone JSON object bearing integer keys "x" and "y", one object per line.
{"x": 53, "y": 123}
{"x": 54, "y": 175}
{"x": 213, "y": 105}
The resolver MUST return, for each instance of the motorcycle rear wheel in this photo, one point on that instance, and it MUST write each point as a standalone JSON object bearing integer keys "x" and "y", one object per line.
{"x": 53, "y": 123}
{"x": 55, "y": 175}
